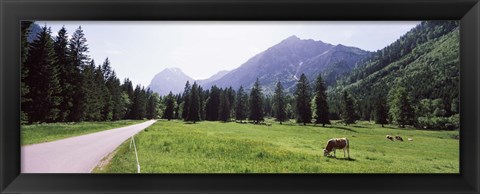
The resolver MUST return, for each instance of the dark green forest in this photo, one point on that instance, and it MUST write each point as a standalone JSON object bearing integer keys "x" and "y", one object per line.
{"x": 422, "y": 67}
{"x": 412, "y": 82}
{"x": 60, "y": 83}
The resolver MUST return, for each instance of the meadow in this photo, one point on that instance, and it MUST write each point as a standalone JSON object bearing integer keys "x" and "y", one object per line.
{"x": 45, "y": 132}
{"x": 216, "y": 147}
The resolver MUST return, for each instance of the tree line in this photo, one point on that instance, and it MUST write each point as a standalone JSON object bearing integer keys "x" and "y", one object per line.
{"x": 226, "y": 104}
{"x": 309, "y": 101}
{"x": 60, "y": 83}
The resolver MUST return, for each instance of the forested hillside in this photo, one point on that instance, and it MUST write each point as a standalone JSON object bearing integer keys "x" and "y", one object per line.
{"x": 425, "y": 62}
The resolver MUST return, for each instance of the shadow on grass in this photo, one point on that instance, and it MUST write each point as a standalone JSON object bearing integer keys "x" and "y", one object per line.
{"x": 342, "y": 158}
{"x": 344, "y": 128}
{"x": 358, "y": 126}
{"x": 190, "y": 123}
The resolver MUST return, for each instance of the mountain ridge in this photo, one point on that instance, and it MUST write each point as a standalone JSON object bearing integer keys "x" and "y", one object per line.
{"x": 284, "y": 62}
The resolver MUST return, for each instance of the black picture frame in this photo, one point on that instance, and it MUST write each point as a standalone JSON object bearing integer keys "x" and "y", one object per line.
{"x": 12, "y": 11}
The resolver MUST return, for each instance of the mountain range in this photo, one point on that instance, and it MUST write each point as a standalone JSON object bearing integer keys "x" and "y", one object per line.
{"x": 283, "y": 62}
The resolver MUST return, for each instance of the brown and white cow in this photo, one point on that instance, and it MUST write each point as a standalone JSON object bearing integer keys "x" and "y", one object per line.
{"x": 337, "y": 143}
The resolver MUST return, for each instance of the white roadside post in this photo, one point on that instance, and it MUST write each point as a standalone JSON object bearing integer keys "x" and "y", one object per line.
{"x": 136, "y": 154}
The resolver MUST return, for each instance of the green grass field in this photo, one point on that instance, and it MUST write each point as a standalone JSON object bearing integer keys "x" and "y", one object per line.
{"x": 215, "y": 147}
{"x": 45, "y": 132}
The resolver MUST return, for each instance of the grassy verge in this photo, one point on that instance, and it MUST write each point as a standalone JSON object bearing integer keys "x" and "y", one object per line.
{"x": 39, "y": 133}
{"x": 215, "y": 147}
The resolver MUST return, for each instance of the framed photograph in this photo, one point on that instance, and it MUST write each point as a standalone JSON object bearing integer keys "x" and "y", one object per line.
{"x": 240, "y": 96}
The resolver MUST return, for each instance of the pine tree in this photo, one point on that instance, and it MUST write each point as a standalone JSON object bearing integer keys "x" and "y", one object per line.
{"x": 321, "y": 106}
{"x": 119, "y": 103}
{"x": 186, "y": 100}
{"x": 223, "y": 110}
{"x": 24, "y": 89}
{"x": 78, "y": 59}
{"x": 241, "y": 105}
{"x": 401, "y": 109}
{"x": 201, "y": 96}
{"x": 139, "y": 103}
{"x": 108, "y": 104}
{"x": 231, "y": 101}
{"x": 127, "y": 87}
{"x": 178, "y": 100}
{"x": 169, "y": 106}
{"x": 194, "y": 104}
{"x": 92, "y": 92}
{"x": 42, "y": 80}
{"x": 152, "y": 106}
{"x": 349, "y": 110}
{"x": 381, "y": 112}
{"x": 302, "y": 98}
{"x": 256, "y": 103}
{"x": 65, "y": 73}
{"x": 279, "y": 104}
{"x": 212, "y": 104}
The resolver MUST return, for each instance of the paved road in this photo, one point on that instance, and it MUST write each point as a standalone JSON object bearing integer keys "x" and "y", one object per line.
{"x": 76, "y": 154}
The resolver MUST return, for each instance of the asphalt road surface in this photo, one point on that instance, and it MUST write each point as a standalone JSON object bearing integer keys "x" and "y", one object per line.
{"x": 76, "y": 154}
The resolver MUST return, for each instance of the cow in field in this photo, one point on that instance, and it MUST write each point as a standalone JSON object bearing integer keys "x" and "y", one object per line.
{"x": 389, "y": 137}
{"x": 398, "y": 138}
{"x": 337, "y": 143}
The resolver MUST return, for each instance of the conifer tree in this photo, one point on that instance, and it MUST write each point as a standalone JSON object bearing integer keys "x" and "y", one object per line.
{"x": 119, "y": 104}
{"x": 231, "y": 101}
{"x": 78, "y": 59}
{"x": 106, "y": 72}
{"x": 24, "y": 89}
{"x": 381, "y": 112}
{"x": 212, "y": 104}
{"x": 65, "y": 73}
{"x": 178, "y": 100}
{"x": 201, "y": 97}
{"x": 186, "y": 100}
{"x": 256, "y": 103}
{"x": 321, "y": 105}
{"x": 127, "y": 87}
{"x": 169, "y": 106}
{"x": 194, "y": 104}
{"x": 241, "y": 105}
{"x": 152, "y": 106}
{"x": 401, "y": 109}
{"x": 92, "y": 92}
{"x": 223, "y": 110}
{"x": 302, "y": 98}
{"x": 42, "y": 80}
{"x": 279, "y": 103}
{"x": 349, "y": 109}
{"x": 139, "y": 103}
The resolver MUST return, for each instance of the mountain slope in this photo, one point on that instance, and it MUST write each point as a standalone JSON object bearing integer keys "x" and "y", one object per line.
{"x": 428, "y": 70}
{"x": 212, "y": 78}
{"x": 287, "y": 60}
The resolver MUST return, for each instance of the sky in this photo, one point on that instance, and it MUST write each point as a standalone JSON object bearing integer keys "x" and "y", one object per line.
{"x": 140, "y": 50}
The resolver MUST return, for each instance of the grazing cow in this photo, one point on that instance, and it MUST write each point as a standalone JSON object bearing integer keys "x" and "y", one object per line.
{"x": 337, "y": 143}
{"x": 398, "y": 138}
{"x": 389, "y": 137}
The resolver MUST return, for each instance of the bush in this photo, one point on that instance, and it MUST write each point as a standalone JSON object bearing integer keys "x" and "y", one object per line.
{"x": 439, "y": 123}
